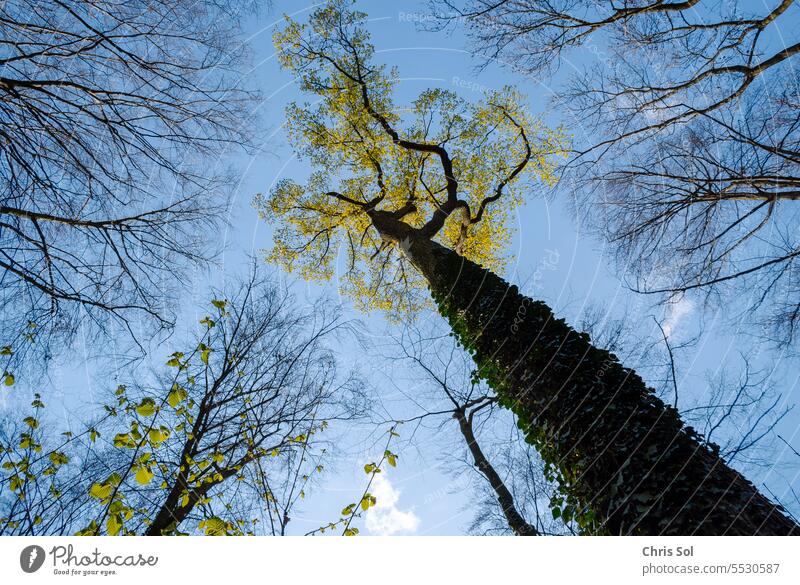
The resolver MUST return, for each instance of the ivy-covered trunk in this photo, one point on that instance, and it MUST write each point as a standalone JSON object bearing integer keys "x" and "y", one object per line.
{"x": 624, "y": 460}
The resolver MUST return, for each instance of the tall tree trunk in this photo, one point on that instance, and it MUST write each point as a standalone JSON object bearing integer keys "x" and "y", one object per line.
{"x": 515, "y": 520}
{"x": 624, "y": 459}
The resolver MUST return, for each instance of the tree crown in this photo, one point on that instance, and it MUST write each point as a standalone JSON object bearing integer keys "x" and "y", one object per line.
{"x": 453, "y": 170}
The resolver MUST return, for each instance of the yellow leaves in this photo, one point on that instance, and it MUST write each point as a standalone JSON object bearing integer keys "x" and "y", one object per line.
{"x": 6, "y": 351}
{"x": 175, "y": 360}
{"x": 113, "y": 525}
{"x": 93, "y": 434}
{"x": 368, "y": 501}
{"x": 26, "y": 442}
{"x": 143, "y": 474}
{"x": 147, "y": 407}
{"x": 8, "y": 378}
{"x": 205, "y": 351}
{"x": 101, "y": 491}
{"x": 499, "y": 153}
{"x": 214, "y": 526}
{"x": 351, "y": 532}
{"x": 31, "y": 422}
{"x": 391, "y": 458}
{"x": 57, "y": 458}
{"x": 158, "y": 436}
{"x": 124, "y": 440}
{"x": 177, "y": 395}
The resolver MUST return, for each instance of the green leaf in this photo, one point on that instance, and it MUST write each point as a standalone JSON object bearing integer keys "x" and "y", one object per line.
{"x": 391, "y": 458}
{"x": 124, "y": 440}
{"x": 8, "y": 379}
{"x": 351, "y": 532}
{"x": 177, "y": 395}
{"x": 93, "y": 434}
{"x": 146, "y": 408}
{"x": 214, "y": 526}
{"x": 158, "y": 436}
{"x": 208, "y": 322}
{"x": 368, "y": 501}
{"x": 31, "y": 422}
{"x": 219, "y": 304}
{"x": 114, "y": 525}
{"x": 370, "y": 468}
{"x": 58, "y": 458}
{"x": 6, "y": 350}
{"x": 100, "y": 491}
{"x": 205, "y": 351}
{"x": 143, "y": 475}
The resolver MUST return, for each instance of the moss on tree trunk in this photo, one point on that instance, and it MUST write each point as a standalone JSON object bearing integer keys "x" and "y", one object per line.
{"x": 624, "y": 460}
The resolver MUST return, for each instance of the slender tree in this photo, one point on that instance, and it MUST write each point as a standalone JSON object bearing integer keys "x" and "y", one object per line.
{"x": 228, "y": 438}
{"x": 461, "y": 397}
{"x": 425, "y": 202}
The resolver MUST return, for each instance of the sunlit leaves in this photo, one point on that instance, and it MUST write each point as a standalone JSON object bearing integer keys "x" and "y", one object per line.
{"x": 214, "y": 526}
{"x": 205, "y": 351}
{"x": 158, "y": 436}
{"x": 368, "y": 501}
{"x": 57, "y": 458}
{"x": 358, "y": 166}
{"x": 175, "y": 360}
{"x": 143, "y": 474}
{"x": 147, "y": 407}
{"x": 101, "y": 491}
{"x": 176, "y": 395}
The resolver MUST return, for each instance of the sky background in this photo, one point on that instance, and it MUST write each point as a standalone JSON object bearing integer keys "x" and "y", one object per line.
{"x": 553, "y": 260}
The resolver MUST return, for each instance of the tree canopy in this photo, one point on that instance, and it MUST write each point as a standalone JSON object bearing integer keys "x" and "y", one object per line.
{"x": 455, "y": 170}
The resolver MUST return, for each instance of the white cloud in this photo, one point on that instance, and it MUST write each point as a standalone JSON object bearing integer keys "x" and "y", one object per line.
{"x": 675, "y": 314}
{"x": 385, "y": 518}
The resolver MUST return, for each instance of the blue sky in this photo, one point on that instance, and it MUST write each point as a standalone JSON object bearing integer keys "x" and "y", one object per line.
{"x": 554, "y": 260}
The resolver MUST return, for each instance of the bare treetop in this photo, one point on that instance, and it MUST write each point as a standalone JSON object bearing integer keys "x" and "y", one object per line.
{"x": 112, "y": 116}
{"x": 692, "y": 123}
